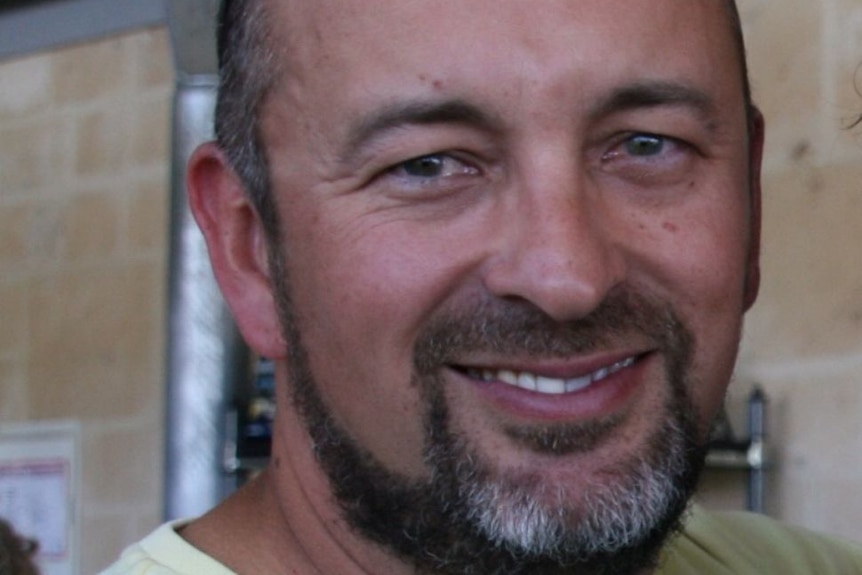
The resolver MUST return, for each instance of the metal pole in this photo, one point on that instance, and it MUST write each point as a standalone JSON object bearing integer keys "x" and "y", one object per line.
{"x": 206, "y": 357}
{"x": 756, "y": 455}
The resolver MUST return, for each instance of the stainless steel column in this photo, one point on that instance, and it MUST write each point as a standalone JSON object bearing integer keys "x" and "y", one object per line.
{"x": 206, "y": 357}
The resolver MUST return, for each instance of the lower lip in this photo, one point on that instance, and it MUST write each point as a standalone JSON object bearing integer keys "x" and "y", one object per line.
{"x": 601, "y": 399}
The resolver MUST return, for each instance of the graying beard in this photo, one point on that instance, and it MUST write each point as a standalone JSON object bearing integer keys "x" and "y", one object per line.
{"x": 614, "y": 517}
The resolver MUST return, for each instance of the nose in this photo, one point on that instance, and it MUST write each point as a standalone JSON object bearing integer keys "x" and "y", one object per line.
{"x": 557, "y": 250}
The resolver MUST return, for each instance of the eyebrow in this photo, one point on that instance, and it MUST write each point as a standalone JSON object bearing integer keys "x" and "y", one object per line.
{"x": 415, "y": 113}
{"x": 657, "y": 94}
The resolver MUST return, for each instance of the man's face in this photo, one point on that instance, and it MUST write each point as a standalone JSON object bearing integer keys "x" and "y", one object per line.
{"x": 520, "y": 235}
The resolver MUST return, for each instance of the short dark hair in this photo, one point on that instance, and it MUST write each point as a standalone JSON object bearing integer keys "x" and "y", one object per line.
{"x": 247, "y": 72}
{"x": 739, "y": 39}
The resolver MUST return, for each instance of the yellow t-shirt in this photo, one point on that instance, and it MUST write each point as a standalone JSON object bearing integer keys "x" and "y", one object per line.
{"x": 164, "y": 552}
{"x": 737, "y": 543}
{"x": 711, "y": 544}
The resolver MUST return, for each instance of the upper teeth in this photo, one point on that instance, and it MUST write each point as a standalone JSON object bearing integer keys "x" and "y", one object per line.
{"x": 549, "y": 385}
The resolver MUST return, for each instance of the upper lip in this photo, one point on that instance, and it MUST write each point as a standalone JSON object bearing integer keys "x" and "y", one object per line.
{"x": 571, "y": 368}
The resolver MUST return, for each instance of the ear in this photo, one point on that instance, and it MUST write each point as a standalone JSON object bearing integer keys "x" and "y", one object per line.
{"x": 237, "y": 247}
{"x": 756, "y": 137}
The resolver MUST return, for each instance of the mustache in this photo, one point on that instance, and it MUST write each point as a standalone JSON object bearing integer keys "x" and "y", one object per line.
{"x": 507, "y": 328}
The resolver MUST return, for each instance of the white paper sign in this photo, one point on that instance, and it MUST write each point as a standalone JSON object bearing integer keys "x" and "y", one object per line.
{"x": 38, "y": 487}
{"x": 34, "y": 497}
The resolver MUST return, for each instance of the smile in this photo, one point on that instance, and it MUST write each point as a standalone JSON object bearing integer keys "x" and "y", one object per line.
{"x": 550, "y": 385}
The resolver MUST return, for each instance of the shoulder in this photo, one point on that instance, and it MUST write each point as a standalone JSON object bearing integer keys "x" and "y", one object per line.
{"x": 164, "y": 552}
{"x": 740, "y": 543}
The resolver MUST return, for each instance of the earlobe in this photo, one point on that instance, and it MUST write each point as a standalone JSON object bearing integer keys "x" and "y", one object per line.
{"x": 236, "y": 243}
{"x": 756, "y": 137}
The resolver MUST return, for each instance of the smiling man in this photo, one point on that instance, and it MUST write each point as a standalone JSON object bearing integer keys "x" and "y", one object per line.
{"x": 500, "y": 252}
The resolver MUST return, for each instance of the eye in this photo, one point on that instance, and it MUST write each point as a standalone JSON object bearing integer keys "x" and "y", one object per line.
{"x": 424, "y": 167}
{"x": 645, "y": 145}
{"x": 649, "y": 159}
{"x": 429, "y": 176}
{"x": 432, "y": 166}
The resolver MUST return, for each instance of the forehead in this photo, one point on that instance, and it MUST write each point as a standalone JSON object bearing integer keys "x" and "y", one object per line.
{"x": 396, "y": 22}
{"x": 372, "y": 49}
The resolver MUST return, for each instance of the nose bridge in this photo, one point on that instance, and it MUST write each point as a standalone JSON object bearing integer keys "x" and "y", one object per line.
{"x": 558, "y": 249}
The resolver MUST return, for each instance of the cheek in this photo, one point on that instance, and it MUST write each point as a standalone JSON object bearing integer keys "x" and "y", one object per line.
{"x": 361, "y": 296}
{"x": 374, "y": 289}
{"x": 705, "y": 267}
{"x": 380, "y": 273}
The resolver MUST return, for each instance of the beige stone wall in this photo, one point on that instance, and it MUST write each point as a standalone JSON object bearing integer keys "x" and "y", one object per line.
{"x": 83, "y": 233}
{"x": 84, "y": 141}
{"x": 804, "y": 336}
